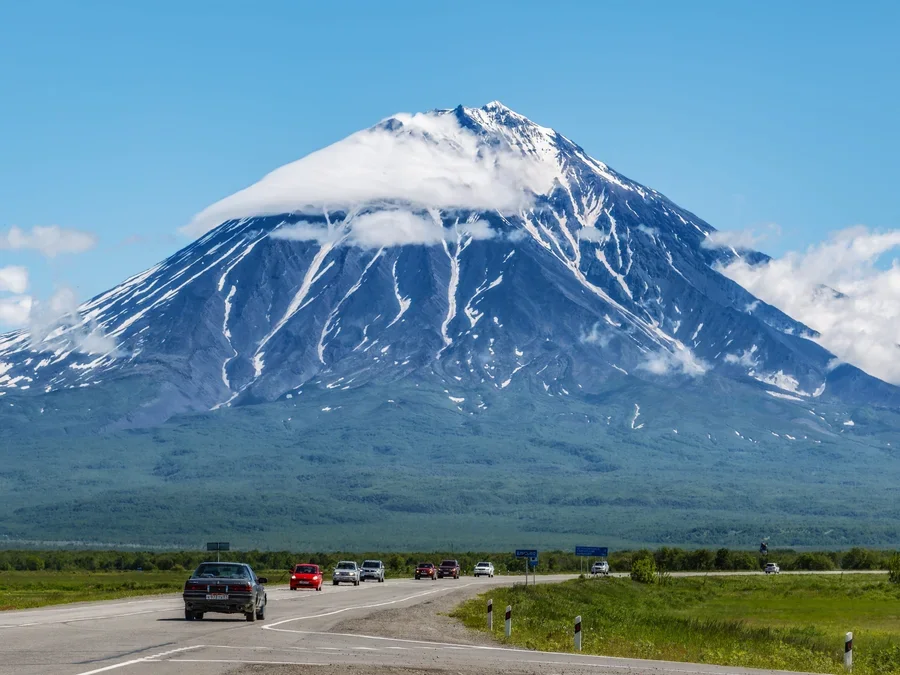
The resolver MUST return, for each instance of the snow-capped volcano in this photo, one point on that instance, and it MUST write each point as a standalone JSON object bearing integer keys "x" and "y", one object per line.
{"x": 469, "y": 245}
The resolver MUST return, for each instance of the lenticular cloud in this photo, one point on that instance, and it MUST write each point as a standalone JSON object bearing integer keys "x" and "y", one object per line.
{"x": 422, "y": 160}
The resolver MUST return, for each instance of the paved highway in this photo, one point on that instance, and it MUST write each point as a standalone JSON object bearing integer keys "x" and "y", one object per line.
{"x": 150, "y": 636}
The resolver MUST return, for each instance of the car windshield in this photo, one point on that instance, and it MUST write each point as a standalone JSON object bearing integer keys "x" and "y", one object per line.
{"x": 346, "y": 566}
{"x": 371, "y": 563}
{"x": 426, "y": 565}
{"x": 449, "y": 563}
{"x": 307, "y": 569}
{"x": 483, "y": 564}
{"x": 221, "y": 571}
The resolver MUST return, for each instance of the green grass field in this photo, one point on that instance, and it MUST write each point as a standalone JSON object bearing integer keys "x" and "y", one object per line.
{"x": 784, "y": 623}
{"x": 25, "y": 590}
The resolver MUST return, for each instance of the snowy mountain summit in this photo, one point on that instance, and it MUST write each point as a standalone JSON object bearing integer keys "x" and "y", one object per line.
{"x": 468, "y": 247}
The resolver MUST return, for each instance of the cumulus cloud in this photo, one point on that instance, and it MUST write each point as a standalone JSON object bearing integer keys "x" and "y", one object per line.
{"x": 305, "y": 231}
{"x": 747, "y": 358}
{"x": 14, "y": 311}
{"x": 13, "y": 279}
{"x": 740, "y": 240}
{"x": 385, "y": 228}
{"x": 591, "y": 234}
{"x": 681, "y": 361}
{"x": 651, "y": 232}
{"x": 51, "y": 240}
{"x": 424, "y": 160}
{"x": 842, "y": 289}
{"x": 596, "y": 336}
{"x": 57, "y": 322}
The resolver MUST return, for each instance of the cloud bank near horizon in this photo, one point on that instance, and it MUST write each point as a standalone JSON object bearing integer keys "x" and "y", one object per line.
{"x": 844, "y": 289}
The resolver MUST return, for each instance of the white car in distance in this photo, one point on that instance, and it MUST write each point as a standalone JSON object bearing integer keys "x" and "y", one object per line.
{"x": 600, "y": 567}
{"x": 772, "y": 568}
{"x": 484, "y": 569}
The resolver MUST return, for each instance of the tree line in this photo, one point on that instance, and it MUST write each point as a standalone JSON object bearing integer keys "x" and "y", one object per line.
{"x": 667, "y": 559}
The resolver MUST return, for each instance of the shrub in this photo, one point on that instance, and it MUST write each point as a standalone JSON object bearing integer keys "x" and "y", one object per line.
{"x": 860, "y": 559}
{"x": 813, "y": 561}
{"x": 643, "y": 571}
{"x": 894, "y": 569}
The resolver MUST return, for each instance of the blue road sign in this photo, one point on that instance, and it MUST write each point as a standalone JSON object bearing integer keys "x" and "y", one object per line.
{"x": 526, "y": 553}
{"x": 532, "y": 562}
{"x": 592, "y": 551}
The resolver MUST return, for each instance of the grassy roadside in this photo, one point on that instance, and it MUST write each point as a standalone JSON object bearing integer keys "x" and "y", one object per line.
{"x": 784, "y": 623}
{"x": 27, "y": 590}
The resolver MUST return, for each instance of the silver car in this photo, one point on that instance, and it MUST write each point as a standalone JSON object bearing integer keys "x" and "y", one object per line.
{"x": 372, "y": 569}
{"x": 346, "y": 572}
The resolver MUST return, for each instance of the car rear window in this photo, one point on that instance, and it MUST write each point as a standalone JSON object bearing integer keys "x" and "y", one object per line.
{"x": 307, "y": 569}
{"x": 221, "y": 571}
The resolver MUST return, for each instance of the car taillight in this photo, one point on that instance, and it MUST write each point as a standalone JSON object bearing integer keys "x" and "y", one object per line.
{"x": 194, "y": 587}
{"x": 242, "y": 588}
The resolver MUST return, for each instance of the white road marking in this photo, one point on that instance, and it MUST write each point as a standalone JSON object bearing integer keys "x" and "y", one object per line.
{"x": 153, "y": 657}
{"x": 89, "y": 618}
{"x": 250, "y": 663}
{"x": 271, "y": 626}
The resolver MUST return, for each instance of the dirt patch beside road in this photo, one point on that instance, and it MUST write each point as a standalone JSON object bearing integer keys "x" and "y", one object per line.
{"x": 424, "y": 621}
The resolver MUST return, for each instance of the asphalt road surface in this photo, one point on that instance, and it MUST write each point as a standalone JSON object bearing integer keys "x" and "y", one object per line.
{"x": 150, "y": 636}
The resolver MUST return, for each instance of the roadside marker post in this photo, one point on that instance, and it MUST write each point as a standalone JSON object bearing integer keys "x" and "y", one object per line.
{"x": 490, "y": 615}
{"x": 577, "y": 633}
{"x": 848, "y": 651}
{"x": 508, "y": 620}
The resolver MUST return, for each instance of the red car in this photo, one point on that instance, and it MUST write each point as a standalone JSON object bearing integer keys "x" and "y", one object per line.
{"x": 426, "y": 570}
{"x": 306, "y": 576}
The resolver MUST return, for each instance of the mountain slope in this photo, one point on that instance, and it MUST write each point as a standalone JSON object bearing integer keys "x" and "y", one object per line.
{"x": 597, "y": 276}
{"x": 484, "y": 270}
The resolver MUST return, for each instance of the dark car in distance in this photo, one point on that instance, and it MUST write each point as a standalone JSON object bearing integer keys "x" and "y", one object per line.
{"x": 225, "y": 588}
{"x": 426, "y": 570}
{"x": 448, "y": 568}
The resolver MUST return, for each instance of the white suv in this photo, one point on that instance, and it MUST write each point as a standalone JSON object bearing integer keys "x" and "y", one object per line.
{"x": 346, "y": 572}
{"x": 485, "y": 569}
{"x": 372, "y": 569}
{"x": 772, "y": 568}
{"x": 600, "y": 567}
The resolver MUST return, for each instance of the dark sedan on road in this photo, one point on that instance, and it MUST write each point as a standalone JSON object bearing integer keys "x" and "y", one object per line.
{"x": 225, "y": 588}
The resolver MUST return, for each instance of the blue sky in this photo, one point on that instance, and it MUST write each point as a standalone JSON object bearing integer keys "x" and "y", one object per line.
{"x": 126, "y": 119}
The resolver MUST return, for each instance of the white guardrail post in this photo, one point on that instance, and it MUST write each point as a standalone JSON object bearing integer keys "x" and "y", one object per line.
{"x": 848, "y": 651}
{"x": 508, "y": 620}
{"x": 577, "y": 633}
{"x": 490, "y": 615}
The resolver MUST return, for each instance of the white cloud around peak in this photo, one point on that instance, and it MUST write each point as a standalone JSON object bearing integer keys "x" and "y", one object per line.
{"x": 424, "y": 160}
{"x": 49, "y": 240}
{"x": 384, "y": 228}
{"x": 841, "y": 288}
{"x": 740, "y": 240}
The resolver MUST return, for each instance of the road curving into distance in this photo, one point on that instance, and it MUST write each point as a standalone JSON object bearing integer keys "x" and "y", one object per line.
{"x": 150, "y": 636}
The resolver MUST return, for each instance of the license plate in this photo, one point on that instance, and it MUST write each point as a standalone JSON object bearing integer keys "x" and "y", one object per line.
{"x": 304, "y": 583}
{"x": 217, "y": 596}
